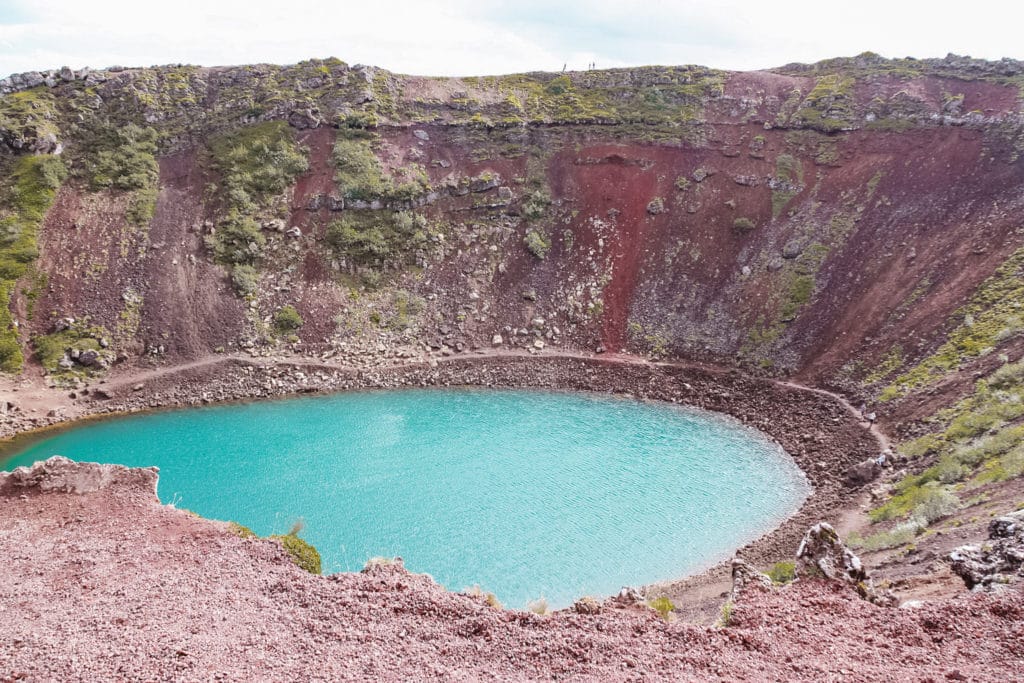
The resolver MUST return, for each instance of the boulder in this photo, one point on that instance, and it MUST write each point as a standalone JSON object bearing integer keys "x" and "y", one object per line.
{"x": 629, "y": 596}
{"x": 863, "y": 473}
{"x": 792, "y": 249}
{"x": 823, "y": 553}
{"x": 89, "y": 358}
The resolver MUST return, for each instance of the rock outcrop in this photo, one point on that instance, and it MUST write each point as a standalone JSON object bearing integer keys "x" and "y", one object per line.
{"x": 61, "y": 475}
{"x": 745, "y": 577}
{"x": 823, "y": 553}
{"x": 997, "y": 563}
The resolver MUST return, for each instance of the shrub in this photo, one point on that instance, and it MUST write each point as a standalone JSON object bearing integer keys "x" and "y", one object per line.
{"x": 782, "y": 572}
{"x": 662, "y": 605}
{"x": 237, "y": 241}
{"x": 257, "y": 163}
{"x": 901, "y": 534}
{"x": 125, "y": 158}
{"x": 287, "y": 320}
{"x": 726, "y": 616}
{"x": 142, "y": 205}
{"x": 536, "y": 204}
{"x": 935, "y": 503}
{"x": 11, "y": 357}
{"x": 245, "y": 279}
{"x": 743, "y": 224}
{"x": 358, "y": 171}
{"x": 378, "y": 239}
{"x": 304, "y": 555}
{"x": 537, "y": 244}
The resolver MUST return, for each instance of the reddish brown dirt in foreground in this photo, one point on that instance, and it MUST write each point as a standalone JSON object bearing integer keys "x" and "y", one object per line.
{"x": 108, "y": 584}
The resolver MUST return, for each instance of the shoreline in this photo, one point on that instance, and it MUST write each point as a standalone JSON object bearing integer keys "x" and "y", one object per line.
{"x": 817, "y": 429}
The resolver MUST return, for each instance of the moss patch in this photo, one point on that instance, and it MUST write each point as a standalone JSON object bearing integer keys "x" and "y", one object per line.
{"x": 304, "y": 555}
{"x": 28, "y": 189}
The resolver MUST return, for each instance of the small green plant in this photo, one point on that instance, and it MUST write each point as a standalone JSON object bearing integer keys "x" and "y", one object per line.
{"x": 743, "y": 224}
{"x": 537, "y": 244}
{"x": 662, "y": 605}
{"x": 536, "y": 204}
{"x": 782, "y": 572}
{"x": 238, "y": 240}
{"x": 241, "y": 531}
{"x": 245, "y": 279}
{"x": 257, "y": 163}
{"x": 304, "y": 555}
{"x": 379, "y": 239}
{"x": 287, "y": 320}
{"x": 725, "y": 618}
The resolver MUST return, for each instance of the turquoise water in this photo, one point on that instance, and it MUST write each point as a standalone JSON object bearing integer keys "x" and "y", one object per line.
{"x": 525, "y": 493}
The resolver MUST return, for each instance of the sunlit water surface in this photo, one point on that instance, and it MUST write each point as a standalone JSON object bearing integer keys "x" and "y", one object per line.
{"x": 524, "y": 493}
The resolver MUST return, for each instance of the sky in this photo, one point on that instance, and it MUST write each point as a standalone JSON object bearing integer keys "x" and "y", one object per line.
{"x": 478, "y": 37}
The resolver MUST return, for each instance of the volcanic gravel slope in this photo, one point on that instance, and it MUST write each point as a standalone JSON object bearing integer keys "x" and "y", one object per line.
{"x": 102, "y": 582}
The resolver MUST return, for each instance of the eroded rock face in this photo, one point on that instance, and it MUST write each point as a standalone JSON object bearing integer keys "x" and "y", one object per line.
{"x": 997, "y": 562}
{"x": 61, "y": 475}
{"x": 823, "y": 553}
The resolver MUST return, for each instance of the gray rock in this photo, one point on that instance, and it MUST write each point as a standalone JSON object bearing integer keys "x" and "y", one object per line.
{"x": 823, "y": 553}
{"x": 992, "y": 564}
{"x": 792, "y": 249}
{"x": 485, "y": 182}
{"x": 863, "y": 473}
{"x": 745, "y": 577}
{"x": 421, "y": 135}
{"x": 89, "y": 358}
{"x": 629, "y": 596}
{"x": 33, "y": 79}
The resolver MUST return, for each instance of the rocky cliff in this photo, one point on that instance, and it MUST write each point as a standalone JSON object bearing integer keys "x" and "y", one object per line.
{"x": 836, "y": 222}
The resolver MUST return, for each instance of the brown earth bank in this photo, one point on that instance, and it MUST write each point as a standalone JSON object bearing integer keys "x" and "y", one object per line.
{"x": 102, "y": 582}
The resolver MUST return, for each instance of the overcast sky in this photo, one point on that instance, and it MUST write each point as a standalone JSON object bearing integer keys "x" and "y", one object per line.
{"x": 475, "y": 37}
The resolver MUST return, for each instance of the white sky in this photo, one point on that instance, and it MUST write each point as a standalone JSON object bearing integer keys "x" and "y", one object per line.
{"x": 475, "y": 37}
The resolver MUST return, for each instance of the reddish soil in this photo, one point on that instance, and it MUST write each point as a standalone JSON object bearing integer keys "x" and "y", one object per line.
{"x": 104, "y": 583}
